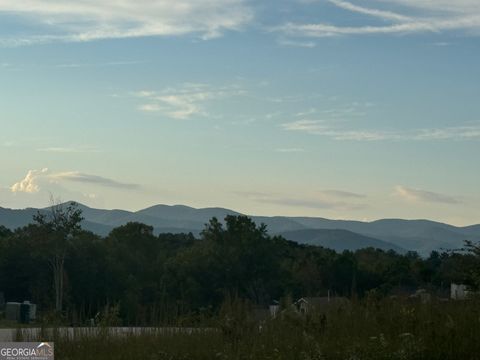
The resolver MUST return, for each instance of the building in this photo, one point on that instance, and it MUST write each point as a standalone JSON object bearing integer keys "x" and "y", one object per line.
{"x": 12, "y": 311}
{"x": 423, "y": 295}
{"x": 20, "y": 312}
{"x": 459, "y": 292}
{"x": 321, "y": 304}
{"x": 274, "y": 309}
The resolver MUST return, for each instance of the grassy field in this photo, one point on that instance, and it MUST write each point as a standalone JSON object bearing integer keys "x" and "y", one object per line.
{"x": 369, "y": 329}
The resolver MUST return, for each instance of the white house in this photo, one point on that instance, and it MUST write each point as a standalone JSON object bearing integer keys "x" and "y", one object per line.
{"x": 322, "y": 304}
{"x": 459, "y": 292}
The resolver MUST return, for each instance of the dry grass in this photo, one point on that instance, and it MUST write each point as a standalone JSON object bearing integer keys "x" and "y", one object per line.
{"x": 370, "y": 329}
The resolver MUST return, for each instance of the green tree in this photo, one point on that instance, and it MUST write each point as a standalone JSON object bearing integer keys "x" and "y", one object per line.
{"x": 59, "y": 226}
{"x": 245, "y": 257}
{"x": 474, "y": 250}
{"x": 22, "y": 273}
{"x": 4, "y": 232}
{"x": 87, "y": 279}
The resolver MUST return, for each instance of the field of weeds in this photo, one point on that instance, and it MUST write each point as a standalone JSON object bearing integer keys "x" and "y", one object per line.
{"x": 368, "y": 329}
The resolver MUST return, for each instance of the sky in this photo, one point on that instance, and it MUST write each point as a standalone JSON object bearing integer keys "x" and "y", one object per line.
{"x": 338, "y": 109}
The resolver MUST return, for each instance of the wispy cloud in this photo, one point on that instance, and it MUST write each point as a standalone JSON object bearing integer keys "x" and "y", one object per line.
{"x": 290, "y": 150}
{"x": 342, "y": 194}
{"x": 382, "y": 14}
{"x": 320, "y": 200}
{"x": 68, "y": 65}
{"x": 70, "y": 149}
{"x": 417, "y": 195}
{"x": 186, "y": 101}
{"x": 308, "y": 112}
{"x": 442, "y": 6}
{"x": 296, "y": 43}
{"x": 100, "y": 64}
{"x": 300, "y": 98}
{"x": 93, "y": 179}
{"x": 324, "y": 30}
{"x": 35, "y": 179}
{"x": 85, "y": 20}
{"x": 423, "y": 16}
{"x": 324, "y": 128}
{"x": 319, "y": 204}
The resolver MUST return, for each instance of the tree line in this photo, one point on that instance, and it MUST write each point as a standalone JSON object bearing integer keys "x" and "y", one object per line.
{"x": 149, "y": 278}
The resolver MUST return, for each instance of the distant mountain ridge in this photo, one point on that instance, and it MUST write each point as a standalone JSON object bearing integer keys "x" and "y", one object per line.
{"x": 400, "y": 235}
{"x": 338, "y": 240}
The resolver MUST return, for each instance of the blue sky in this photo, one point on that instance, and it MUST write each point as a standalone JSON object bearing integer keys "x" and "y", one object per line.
{"x": 353, "y": 110}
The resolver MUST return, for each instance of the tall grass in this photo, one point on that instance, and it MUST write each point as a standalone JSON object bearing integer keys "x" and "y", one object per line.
{"x": 367, "y": 329}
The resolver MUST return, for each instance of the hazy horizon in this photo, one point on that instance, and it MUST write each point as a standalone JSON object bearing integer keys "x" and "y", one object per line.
{"x": 59, "y": 201}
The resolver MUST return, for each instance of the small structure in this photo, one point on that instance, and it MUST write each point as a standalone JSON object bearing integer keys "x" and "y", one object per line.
{"x": 21, "y": 312}
{"x": 274, "y": 309}
{"x": 12, "y": 311}
{"x": 459, "y": 292}
{"x": 28, "y": 312}
{"x": 423, "y": 295}
{"x": 322, "y": 304}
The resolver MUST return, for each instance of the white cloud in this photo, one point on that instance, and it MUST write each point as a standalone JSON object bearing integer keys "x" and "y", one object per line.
{"x": 385, "y": 15}
{"x": 342, "y": 194}
{"x": 423, "y": 16}
{"x": 294, "y": 98}
{"x": 86, "y": 20}
{"x": 185, "y": 101}
{"x": 41, "y": 198}
{"x": 324, "y": 128}
{"x": 79, "y": 177}
{"x": 290, "y": 150}
{"x": 293, "y": 43}
{"x": 150, "y": 107}
{"x": 30, "y": 183}
{"x": 324, "y": 30}
{"x": 306, "y": 113}
{"x": 320, "y": 127}
{"x": 460, "y": 132}
{"x": 439, "y": 6}
{"x": 69, "y": 149}
{"x": 324, "y": 200}
{"x": 36, "y": 179}
{"x": 101, "y": 64}
{"x": 416, "y": 195}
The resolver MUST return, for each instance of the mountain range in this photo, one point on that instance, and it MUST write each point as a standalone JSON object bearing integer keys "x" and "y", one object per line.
{"x": 400, "y": 235}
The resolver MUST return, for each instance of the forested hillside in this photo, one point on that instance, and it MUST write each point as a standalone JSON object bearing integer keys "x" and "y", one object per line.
{"x": 152, "y": 276}
{"x": 422, "y": 236}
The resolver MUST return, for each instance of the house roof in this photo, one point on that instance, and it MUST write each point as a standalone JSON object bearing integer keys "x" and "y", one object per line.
{"x": 322, "y": 301}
